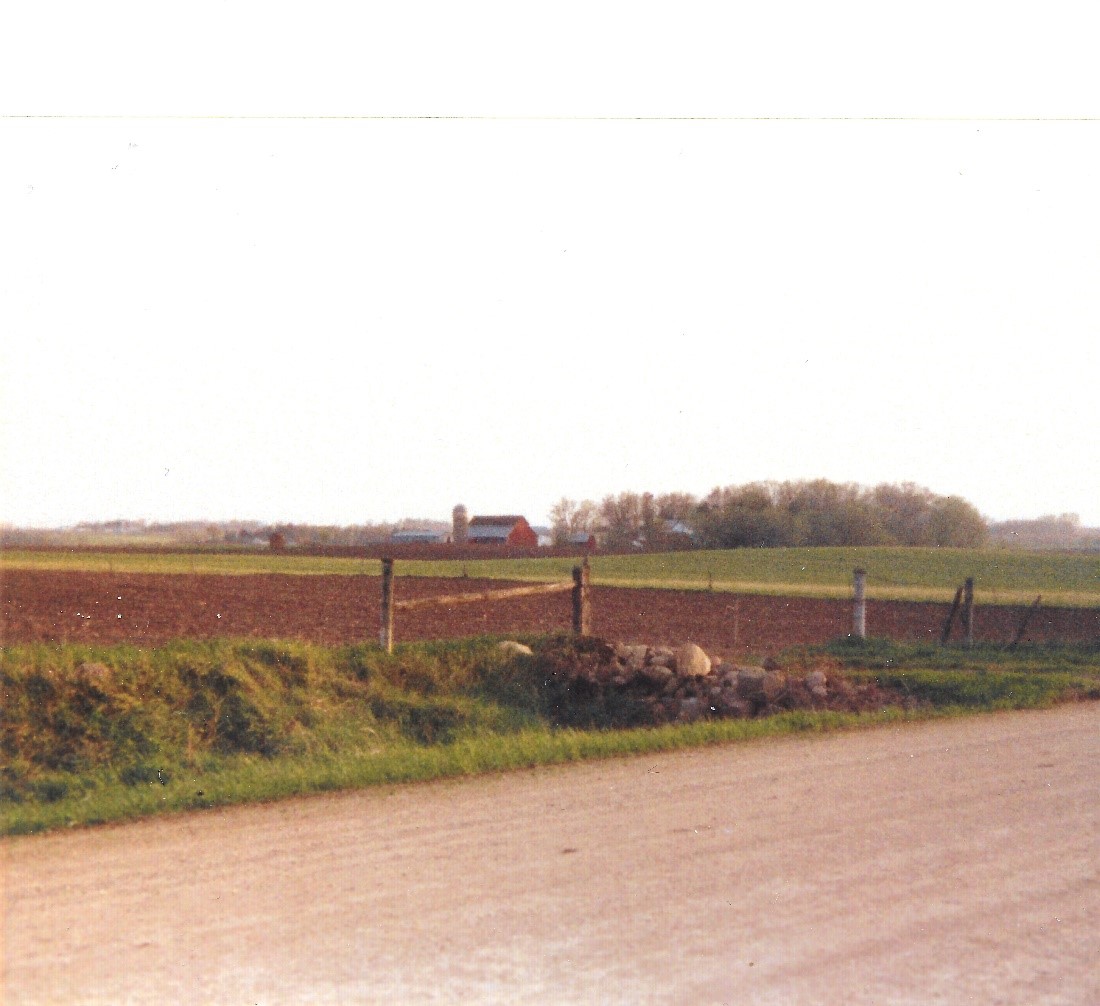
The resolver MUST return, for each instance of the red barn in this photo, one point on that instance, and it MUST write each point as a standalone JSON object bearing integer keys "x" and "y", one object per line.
{"x": 501, "y": 531}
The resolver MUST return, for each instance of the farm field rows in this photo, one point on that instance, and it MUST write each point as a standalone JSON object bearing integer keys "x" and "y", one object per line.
{"x": 903, "y": 574}
{"x": 150, "y": 609}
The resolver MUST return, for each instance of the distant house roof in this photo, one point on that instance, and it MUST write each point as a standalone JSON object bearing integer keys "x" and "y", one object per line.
{"x": 418, "y": 535}
{"x": 508, "y": 522}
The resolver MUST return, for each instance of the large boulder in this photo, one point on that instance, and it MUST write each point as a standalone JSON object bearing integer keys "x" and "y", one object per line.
{"x": 691, "y": 661}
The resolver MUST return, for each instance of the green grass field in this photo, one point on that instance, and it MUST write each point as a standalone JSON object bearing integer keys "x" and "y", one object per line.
{"x": 916, "y": 574}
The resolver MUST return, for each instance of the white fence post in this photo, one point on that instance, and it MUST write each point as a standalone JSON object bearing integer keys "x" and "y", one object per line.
{"x": 859, "y": 604}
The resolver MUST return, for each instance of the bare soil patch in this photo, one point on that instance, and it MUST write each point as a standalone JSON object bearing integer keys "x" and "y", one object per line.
{"x": 149, "y": 609}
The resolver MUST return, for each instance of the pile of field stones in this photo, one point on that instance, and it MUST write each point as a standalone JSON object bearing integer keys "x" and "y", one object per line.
{"x": 682, "y": 684}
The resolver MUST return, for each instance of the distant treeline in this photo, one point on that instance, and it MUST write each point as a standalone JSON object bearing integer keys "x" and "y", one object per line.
{"x": 751, "y": 515}
{"x": 1063, "y": 531}
{"x": 773, "y": 514}
{"x": 212, "y": 534}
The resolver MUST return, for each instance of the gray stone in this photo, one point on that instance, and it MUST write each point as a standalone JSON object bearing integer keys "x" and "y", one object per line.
{"x": 722, "y": 668}
{"x": 774, "y": 685}
{"x": 728, "y": 704}
{"x": 514, "y": 649}
{"x": 662, "y": 656}
{"x": 691, "y": 710}
{"x": 633, "y": 656}
{"x": 656, "y": 675}
{"x": 691, "y": 661}
{"x": 750, "y": 682}
{"x": 759, "y": 685}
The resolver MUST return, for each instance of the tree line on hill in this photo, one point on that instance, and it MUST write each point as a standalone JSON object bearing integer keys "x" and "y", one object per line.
{"x": 1054, "y": 531}
{"x": 774, "y": 514}
{"x": 211, "y": 534}
{"x": 751, "y": 515}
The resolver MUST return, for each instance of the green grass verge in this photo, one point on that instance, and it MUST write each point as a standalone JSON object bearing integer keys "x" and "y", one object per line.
{"x": 983, "y": 678}
{"x": 96, "y": 734}
{"x": 906, "y": 574}
{"x": 219, "y": 563}
{"x": 909, "y": 574}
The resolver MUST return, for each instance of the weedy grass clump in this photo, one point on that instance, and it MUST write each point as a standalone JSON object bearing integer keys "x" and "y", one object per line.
{"x": 72, "y": 717}
{"x": 982, "y": 677}
{"x": 92, "y": 734}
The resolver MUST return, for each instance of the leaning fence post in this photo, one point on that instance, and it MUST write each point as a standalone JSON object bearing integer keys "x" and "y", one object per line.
{"x": 951, "y": 617}
{"x": 1023, "y": 622}
{"x": 582, "y": 614}
{"x": 859, "y": 604}
{"x": 386, "y": 635}
{"x": 968, "y": 611}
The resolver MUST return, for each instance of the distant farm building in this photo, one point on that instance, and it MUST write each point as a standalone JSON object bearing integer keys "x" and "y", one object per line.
{"x": 419, "y": 536}
{"x": 511, "y": 530}
{"x": 583, "y": 539}
{"x": 678, "y": 529}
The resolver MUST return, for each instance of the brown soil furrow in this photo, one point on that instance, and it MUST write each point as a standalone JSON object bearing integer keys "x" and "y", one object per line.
{"x": 50, "y": 606}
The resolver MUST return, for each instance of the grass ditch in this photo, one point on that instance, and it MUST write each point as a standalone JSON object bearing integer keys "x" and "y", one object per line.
{"x": 96, "y": 734}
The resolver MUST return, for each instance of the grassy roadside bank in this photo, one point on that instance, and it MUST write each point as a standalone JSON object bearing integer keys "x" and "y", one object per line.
{"x": 89, "y": 735}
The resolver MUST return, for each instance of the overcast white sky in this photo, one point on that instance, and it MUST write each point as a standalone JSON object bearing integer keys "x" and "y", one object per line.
{"x": 215, "y": 303}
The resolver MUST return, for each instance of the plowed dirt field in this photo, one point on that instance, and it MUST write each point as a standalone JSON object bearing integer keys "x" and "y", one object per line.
{"x": 149, "y": 609}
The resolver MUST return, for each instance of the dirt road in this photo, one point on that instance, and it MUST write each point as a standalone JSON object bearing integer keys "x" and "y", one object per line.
{"x": 950, "y": 862}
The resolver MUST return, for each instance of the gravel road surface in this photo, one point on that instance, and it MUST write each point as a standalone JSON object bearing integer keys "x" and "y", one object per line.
{"x": 943, "y": 862}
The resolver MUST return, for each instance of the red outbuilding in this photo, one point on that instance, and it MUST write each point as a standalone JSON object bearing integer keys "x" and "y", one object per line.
{"x": 509, "y": 530}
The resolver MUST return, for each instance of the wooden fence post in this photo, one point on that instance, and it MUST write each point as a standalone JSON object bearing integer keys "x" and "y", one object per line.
{"x": 386, "y": 635}
{"x": 951, "y": 617}
{"x": 968, "y": 611}
{"x": 859, "y": 604}
{"x": 1023, "y": 622}
{"x": 582, "y": 613}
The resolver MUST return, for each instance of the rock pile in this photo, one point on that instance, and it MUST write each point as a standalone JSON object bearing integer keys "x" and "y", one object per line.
{"x": 628, "y": 684}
